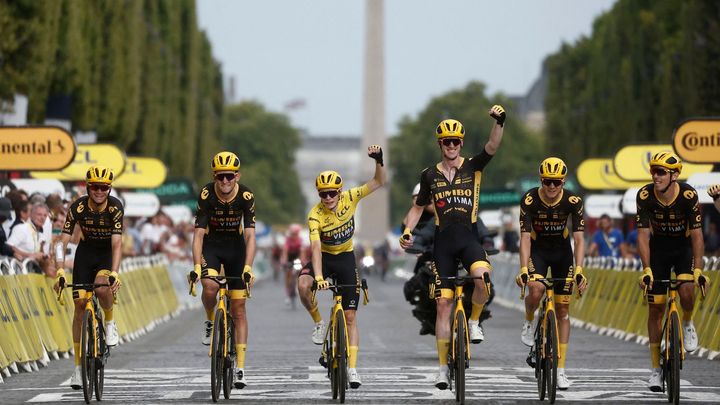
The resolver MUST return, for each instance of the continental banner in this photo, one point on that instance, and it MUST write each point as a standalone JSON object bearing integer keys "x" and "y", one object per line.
{"x": 599, "y": 174}
{"x": 88, "y": 155}
{"x": 35, "y": 148}
{"x": 698, "y": 140}
{"x": 632, "y": 163}
{"x": 142, "y": 172}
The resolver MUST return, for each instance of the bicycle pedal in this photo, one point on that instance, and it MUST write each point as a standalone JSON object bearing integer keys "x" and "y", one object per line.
{"x": 530, "y": 360}
{"x": 323, "y": 362}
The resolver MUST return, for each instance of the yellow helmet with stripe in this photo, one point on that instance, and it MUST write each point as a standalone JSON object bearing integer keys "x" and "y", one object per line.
{"x": 225, "y": 162}
{"x": 553, "y": 168}
{"x": 668, "y": 160}
{"x": 450, "y": 129}
{"x": 99, "y": 174}
{"x": 328, "y": 179}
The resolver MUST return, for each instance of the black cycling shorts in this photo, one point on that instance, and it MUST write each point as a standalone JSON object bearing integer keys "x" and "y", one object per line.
{"x": 664, "y": 259}
{"x": 230, "y": 253}
{"x": 343, "y": 270}
{"x": 89, "y": 260}
{"x": 456, "y": 242}
{"x": 560, "y": 261}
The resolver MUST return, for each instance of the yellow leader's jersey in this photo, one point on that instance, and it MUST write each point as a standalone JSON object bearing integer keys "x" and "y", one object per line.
{"x": 335, "y": 229}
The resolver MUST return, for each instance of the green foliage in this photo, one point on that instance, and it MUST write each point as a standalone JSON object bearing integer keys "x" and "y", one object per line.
{"x": 415, "y": 147}
{"x": 140, "y": 73}
{"x": 647, "y": 66}
{"x": 266, "y": 144}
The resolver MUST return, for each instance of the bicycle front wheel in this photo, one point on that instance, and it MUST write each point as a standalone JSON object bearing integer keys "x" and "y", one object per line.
{"x": 551, "y": 355}
{"x": 674, "y": 361}
{"x": 459, "y": 354}
{"x": 540, "y": 359}
{"x": 229, "y": 361}
{"x": 216, "y": 355}
{"x": 87, "y": 355}
{"x": 100, "y": 363}
{"x": 341, "y": 354}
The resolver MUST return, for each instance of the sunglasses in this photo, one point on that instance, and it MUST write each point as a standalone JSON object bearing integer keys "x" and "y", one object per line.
{"x": 224, "y": 176}
{"x": 451, "y": 141}
{"x": 99, "y": 187}
{"x": 658, "y": 171}
{"x": 555, "y": 182}
{"x": 328, "y": 194}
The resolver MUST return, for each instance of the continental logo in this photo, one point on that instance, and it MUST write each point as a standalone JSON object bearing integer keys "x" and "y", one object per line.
{"x": 248, "y": 196}
{"x": 35, "y": 148}
{"x": 31, "y": 148}
{"x": 698, "y": 141}
{"x": 453, "y": 193}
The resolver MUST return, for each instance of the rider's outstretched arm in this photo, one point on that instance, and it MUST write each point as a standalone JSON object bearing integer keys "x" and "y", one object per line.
{"x": 496, "y": 133}
{"x": 380, "y": 177}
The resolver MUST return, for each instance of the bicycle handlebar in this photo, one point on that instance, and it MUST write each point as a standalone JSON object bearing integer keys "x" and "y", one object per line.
{"x": 337, "y": 289}
{"x": 547, "y": 282}
{"x": 673, "y": 284}
{"x": 220, "y": 280}
{"x": 85, "y": 286}
{"x": 459, "y": 280}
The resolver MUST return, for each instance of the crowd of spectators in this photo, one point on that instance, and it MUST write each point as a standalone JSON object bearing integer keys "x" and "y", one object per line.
{"x": 30, "y": 225}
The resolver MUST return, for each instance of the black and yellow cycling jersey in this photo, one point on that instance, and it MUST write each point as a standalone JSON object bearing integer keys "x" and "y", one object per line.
{"x": 456, "y": 201}
{"x": 670, "y": 224}
{"x": 335, "y": 229}
{"x": 547, "y": 222}
{"x": 225, "y": 219}
{"x": 97, "y": 223}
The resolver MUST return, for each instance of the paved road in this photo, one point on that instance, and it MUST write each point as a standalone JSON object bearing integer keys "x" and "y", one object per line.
{"x": 169, "y": 365}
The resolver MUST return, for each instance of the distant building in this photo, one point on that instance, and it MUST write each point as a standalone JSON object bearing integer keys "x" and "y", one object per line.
{"x": 531, "y": 106}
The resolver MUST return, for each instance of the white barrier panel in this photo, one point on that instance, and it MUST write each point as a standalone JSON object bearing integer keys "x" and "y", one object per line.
{"x": 141, "y": 204}
{"x": 629, "y": 201}
{"x": 178, "y": 213}
{"x": 42, "y": 186}
{"x": 598, "y": 204}
{"x": 492, "y": 218}
{"x": 701, "y": 182}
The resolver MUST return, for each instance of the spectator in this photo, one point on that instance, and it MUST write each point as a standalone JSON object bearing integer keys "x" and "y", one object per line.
{"x": 511, "y": 239}
{"x": 27, "y": 239}
{"x": 22, "y": 214}
{"x": 5, "y": 212}
{"x": 607, "y": 241}
{"x": 631, "y": 251}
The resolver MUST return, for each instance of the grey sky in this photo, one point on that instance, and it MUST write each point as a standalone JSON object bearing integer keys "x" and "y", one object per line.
{"x": 282, "y": 50}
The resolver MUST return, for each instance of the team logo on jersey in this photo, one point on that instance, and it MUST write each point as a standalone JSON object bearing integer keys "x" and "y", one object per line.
{"x": 698, "y": 218}
{"x": 440, "y": 204}
{"x": 689, "y": 194}
{"x": 644, "y": 194}
{"x": 574, "y": 200}
{"x": 528, "y": 199}
{"x": 204, "y": 194}
{"x": 118, "y": 225}
{"x": 80, "y": 208}
{"x": 247, "y": 195}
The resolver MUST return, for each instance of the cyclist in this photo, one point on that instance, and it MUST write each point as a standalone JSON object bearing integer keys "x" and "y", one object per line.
{"x": 714, "y": 192}
{"x": 99, "y": 217}
{"x": 669, "y": 237}
{"x": 453, "y": 186}
{"x": 291, "y": 250}
{"x": 545, "y": 243}
{"x": 332, "y": 225}
{"x": 225, "y": 236}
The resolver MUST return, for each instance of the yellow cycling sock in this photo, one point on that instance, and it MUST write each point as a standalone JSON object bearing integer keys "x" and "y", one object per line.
{"x": 352, "y": 356}
{"x": 687, "y": 316}
{"x": 315, "y": 313}
{"x": 443, "y": 346}
{"x": 530, "y": 316}
{"x": 476, "y": 311}
{"x": 210, "y": 314}
{"x": 562, "y": 353}
{"x": 108, "y": 314}
{"x": 240, "y": 352}
{"x": 655, "y": 355}
{"x": 76, "y": 346}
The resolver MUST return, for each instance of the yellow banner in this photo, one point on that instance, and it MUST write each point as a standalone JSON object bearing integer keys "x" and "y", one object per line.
{"x": 632, "y": 163}
{"x": 599, "y": 174}
{"x": 35, "y": 148}
{"x": 88, "y": 155}
{"x": 698, "y": 141}
{"x": 142, "y": 172}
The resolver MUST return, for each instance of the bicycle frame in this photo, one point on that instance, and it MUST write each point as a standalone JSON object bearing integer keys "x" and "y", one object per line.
{"x": 458, "y": 307}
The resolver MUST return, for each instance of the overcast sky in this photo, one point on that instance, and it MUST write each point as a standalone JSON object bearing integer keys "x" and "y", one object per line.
{"x": 284, "y": 50}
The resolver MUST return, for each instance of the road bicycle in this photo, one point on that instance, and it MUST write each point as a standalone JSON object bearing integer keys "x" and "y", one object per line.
{"x": 222, "y": 343}
{"x": 94, "y": 352}
{"x": 543, "y": 356}
{"x": 672, "y": 354}
{"x": 459, "y": 353}
{"x": 334, "y": 354}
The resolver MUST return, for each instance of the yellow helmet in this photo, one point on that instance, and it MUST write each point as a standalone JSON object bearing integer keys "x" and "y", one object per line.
{"x": 450, "y": 129}
{"x": 553, "y": 168}
{"x": 328, "y": 179}
{"x": 225, "y": 162}
{"x": 99, "y": 174}
{"x": 668, "y": 160}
